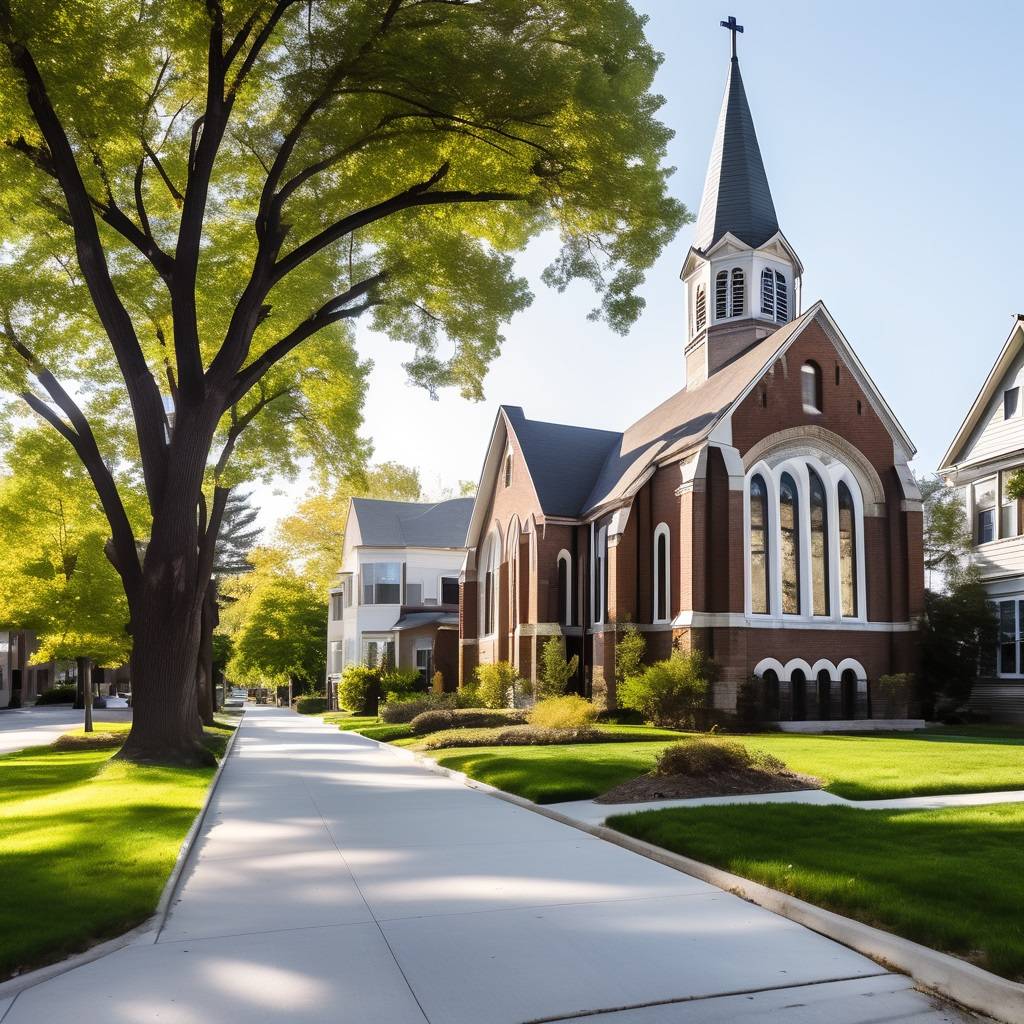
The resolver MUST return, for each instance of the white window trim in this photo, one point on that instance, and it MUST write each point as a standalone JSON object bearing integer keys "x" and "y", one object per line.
{"x": 564, "y": 556}
{"x": 661, "y": 615}
{"x": 812, "y": 370}
{"x": 998, "y": 599}
{"x": 976, "y": 508}
{"x": 830, "y": 476}
{"x": 598, "y": 540}
{"x": 490, "y": 563}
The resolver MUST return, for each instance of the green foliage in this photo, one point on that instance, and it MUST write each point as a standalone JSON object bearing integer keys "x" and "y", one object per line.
{"x": 958, "y": 633}
{"x": 566, "y": 712}
{"x": 947, "y": 534}
{"x": 466, "y": 718}
{"x": 437, "y": 683}
{"x": 629, "y": 653}
{"x": 555, "y": 671}
{"x": 399, "y": 682}
{"x": 359, "y": 689}
{"x": 700, "y": 757}
{"x": 1015, "y": 485}
{"x": 410, "y": 706}
{"x": 58, "y": 695}
{"x": 498, "y": 685}
{"x": 669, "y": 692}
{"x": 311, "y": 704}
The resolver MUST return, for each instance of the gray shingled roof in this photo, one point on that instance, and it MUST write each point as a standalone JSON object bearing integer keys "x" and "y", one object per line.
{"x": 399, "y": 524}
{"x": 736, "y": 194}
{"x": 563, "y": 460}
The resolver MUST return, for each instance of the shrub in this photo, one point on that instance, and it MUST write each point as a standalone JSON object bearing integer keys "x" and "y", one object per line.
{"x": 58, "y": 695}
{"x": 568, "y": 712}
{"x": 555, "y": 671}
{"x": 466, "y": 718}
{"x": 88, "y": 740}
{"x": 359, "y": 690}
{"x": 410, "y": 706}
{"x": 669, "y": 692}
{"x": 629, "y": 654}
{"x": 311, "y": 704}
{"x": 402, "y": 680}
{"x": 700, "y": 757}
{"x": 437, "y": 683}
{"x": 521, "y": 736}
{"x": 499, "y": 684}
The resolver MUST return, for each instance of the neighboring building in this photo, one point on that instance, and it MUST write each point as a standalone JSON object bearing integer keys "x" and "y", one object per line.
{"x": 764, "y": 514}
{"x": 397, "y": 594}
{"x": 987, "y": 449}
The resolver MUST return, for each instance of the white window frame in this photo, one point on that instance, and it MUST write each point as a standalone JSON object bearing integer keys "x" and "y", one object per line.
{"x": 662, "y": 615}
{"x": 598, "y": 586}
{"x": 490, "y": 562}
{"x": 977, "y": 509}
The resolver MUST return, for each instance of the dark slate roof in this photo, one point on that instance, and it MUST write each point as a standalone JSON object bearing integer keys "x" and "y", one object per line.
{"x": 416, "y": 620}
{"x": 736, "y": 194}
{"x": 400, "y": 524}
{"x": 563, "y": 460}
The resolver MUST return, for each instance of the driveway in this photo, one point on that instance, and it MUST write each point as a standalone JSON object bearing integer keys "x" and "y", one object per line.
{"x": 32, "y": 727}
{"x": 338, "y": 881}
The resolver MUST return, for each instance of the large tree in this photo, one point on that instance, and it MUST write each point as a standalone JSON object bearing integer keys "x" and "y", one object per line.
{"x": 200, "y": 199}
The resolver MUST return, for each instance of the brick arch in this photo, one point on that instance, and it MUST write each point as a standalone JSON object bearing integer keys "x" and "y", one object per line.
{"x": 817, "y": 441}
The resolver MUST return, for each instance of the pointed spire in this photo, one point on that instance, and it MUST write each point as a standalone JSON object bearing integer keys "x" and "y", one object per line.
{"x": 736, "y": 194}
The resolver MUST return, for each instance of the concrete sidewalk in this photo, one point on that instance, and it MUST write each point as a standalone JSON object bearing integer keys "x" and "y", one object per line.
{"x": 337, "y": 880}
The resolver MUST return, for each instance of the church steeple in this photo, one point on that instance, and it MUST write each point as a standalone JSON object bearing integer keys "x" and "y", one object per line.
{"x": 742, "y": 276}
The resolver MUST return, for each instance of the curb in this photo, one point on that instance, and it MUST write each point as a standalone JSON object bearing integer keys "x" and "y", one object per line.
{"x": 940, "y": 973}
{"x": 154, "y": 923}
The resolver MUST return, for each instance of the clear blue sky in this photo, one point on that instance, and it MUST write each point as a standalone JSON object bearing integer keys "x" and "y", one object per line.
{"x": 892, "y": 137}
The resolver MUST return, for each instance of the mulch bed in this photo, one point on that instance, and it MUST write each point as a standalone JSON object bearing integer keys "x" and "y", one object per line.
{"x": 739, "y": 782}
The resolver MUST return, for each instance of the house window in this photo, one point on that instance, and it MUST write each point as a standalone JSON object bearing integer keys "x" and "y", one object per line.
{"x": 985, "y": 511}
{"x": 1009, "y": 637}
{"x": 736, "y": 299}
{"x": 759, "y": 562}
{"x": 413, "y": 593}
{"x": 337, "y": 605}
{"x": 425, "y": 665}
{"x": 662, "y": 586}
{"x": 768, "y": 292}
{"x": 819, "y": 545}
{"x": 449, "y": 590}
{"x": 1008, "y": 506}
{"x": 702, "y": 309}
{"x": 382, "y": 583}
{"x": 721, "y": 294}
{"x": 564, "y": 609}
{"x": 379, "y": 652}
{"x": 810, "y": 386}
{"x": 1011, "y": 402}
{"x": 847, "y": 552}
{"x": 781, "y": 299}
{"x": 789, "y": 526}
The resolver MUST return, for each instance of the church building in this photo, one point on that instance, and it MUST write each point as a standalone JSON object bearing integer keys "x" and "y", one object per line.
{"x": 764, "y": 514}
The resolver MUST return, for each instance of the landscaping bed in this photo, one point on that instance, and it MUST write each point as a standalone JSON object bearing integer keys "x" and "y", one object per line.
{"x": 368, "y": 725}
{"x": 88, "y": 843}
{"x": 735, "y": 782}
{"x": 951, "y": 879}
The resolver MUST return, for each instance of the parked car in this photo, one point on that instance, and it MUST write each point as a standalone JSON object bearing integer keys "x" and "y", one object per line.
{"x": 236, "y": 699}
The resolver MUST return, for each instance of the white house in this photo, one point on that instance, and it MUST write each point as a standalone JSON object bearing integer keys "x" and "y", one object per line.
{"x": 986, "y": 451}
{"x": 397, "y": 594}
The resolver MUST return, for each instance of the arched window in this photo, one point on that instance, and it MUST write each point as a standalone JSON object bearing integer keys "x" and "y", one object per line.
{"x": 798, "y": 685}
{"x": 819, "y": 545}
{"x": 721, "y": 294}
{"x": 489, "y": 585}
{"x": 810, "y": 386}
{"x": 759, "y": 560}
{"x": 702, "y": 310}
{"x": 847, "y": 552}
{"x": 662, "y": 589}
{"x": 781, "y": 298}
{"x": 737, "y": 298}
{"x": 508, "y": 470}
{"x": 600, "y": 577}
{"x": 789, "y": 528}
{"x": 768, "y": 292}
{"x": 564, "y": 588}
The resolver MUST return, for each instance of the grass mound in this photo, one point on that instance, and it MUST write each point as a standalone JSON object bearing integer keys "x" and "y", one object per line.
{"x": 703, "y": 757}
{"x": 88, "y": 740}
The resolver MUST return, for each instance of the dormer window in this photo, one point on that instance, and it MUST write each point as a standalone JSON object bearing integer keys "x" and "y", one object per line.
{"x": 781, "y": 299}
{"x": 702, "y": 310}
{"x": 810, "y": 386}
{"x": 508, "y": 470}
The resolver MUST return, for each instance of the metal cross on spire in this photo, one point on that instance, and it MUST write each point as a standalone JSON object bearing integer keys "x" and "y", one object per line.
{"x": 733, "y": 27}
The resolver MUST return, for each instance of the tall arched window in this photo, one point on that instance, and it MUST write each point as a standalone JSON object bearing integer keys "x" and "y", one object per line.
{"x": 768, "y": 292}
{"x": 600, "y": 578}
{"x": 662, "y": 590}
{"x": 489, "y": 585}
{"x": 819, "y": 544}
{"x": 789, "y": 528}
{"x": 701, "y": 318}
{"x": 721, "y": 294}
{"x": 736, "y": 299}
{"x": 810, "y": 386}
{"x": 781, "y": 298}
{"x": 508, "y": 469}
{"x": 564, "y": 588}
{"x": 847, "y": 552}
{"x": 759, "y": 560}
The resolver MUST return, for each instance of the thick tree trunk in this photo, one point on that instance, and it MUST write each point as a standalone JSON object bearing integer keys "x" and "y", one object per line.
{"x": 85, "y": 685}
{"x": 204, "y": 673}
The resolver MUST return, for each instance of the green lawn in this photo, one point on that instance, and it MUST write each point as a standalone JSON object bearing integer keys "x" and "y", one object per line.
{"x": 857, "y": 767}
{"x": 951, "y": 879}
{"x": 87, "y": 845}
{"x": 368, "y": 725}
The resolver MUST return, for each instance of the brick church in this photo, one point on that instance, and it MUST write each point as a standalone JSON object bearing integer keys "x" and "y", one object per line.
{"x": 764, "y": 514}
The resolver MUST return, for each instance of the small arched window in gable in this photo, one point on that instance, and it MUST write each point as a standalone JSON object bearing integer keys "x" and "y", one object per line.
{"x": 768, "y": 292}
{"x": 662, "y": 588}
{"x": 508, "y": 470}
{"x": 701, "y": 318}
{"x": 810, "y": 386}
{"x": 737, "y": 297}
{"x": 781, "y": 299}
{"x": 721, "y": 294}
